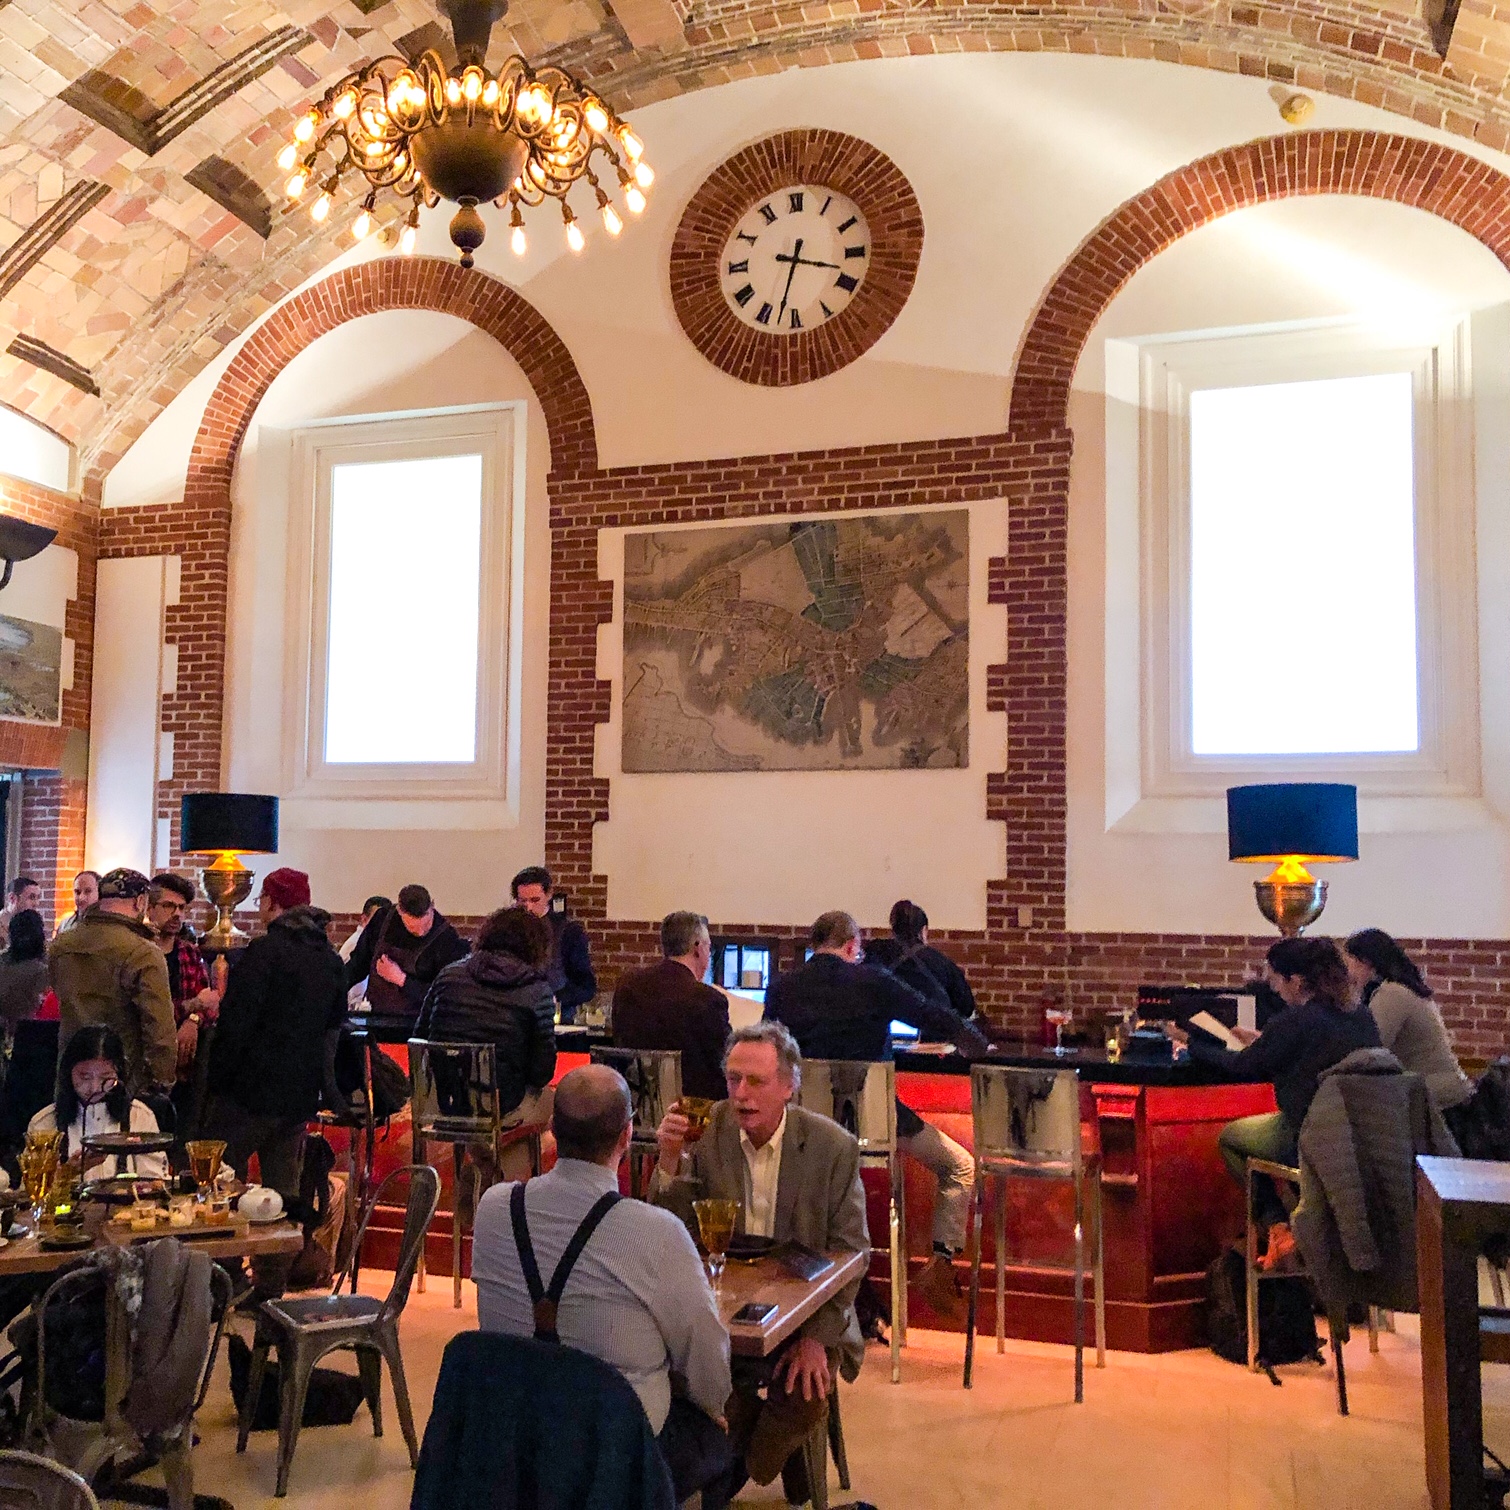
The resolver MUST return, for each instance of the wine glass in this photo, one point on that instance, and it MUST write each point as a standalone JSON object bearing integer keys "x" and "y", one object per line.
{"x": 204, "y": 1164}
{"x": 696, "y": 1109}
{"x": 1060, "y": 1017}
{"x": 715, "y": 1223}
{"x": 39, "y": 1163}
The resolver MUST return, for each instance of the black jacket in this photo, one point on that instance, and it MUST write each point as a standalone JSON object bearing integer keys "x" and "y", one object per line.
{"x": 286, "y": 992}
{"x": 665, "y": 1006}
{"x": 492, "y": 997}
{"x": 440, "y": 947}
{"x": 927, "y": 970}
{"x": 570, "y": 971}
{"x": 1293, "y": 1050}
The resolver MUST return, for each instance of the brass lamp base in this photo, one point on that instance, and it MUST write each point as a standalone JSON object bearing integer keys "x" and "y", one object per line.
{"x": 1292, "y": 906}
{"x": 226, "y": 885}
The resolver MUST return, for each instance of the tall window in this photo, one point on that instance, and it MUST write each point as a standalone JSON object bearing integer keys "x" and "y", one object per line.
{"x": 405, "y": 599}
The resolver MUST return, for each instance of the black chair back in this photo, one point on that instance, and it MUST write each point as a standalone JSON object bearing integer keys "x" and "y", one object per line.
{"x": 32, "y": 1081}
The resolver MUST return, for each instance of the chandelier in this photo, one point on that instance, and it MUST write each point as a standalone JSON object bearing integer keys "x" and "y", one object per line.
{"x": 421, "y": 132}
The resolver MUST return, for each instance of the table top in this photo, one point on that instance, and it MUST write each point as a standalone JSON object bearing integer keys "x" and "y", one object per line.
{"x": 795, "y": 1299}
{"x": 26, "y": 1255}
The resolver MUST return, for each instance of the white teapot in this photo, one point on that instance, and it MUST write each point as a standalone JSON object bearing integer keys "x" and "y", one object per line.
{"x": 259, "y": 1204}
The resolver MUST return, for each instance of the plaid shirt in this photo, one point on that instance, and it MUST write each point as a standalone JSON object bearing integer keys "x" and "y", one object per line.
{"x": 188, "y": 976}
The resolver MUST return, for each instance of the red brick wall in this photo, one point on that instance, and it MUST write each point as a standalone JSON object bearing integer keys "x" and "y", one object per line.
{"x": 1025, "y": 949}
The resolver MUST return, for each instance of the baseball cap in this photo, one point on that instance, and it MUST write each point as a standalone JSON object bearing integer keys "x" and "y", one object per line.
{"x": 286, "y": 887}
{"x": 123, "y": 882}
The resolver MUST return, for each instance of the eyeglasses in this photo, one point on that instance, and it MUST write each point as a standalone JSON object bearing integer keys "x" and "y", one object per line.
{"x": 85, "y": 1083}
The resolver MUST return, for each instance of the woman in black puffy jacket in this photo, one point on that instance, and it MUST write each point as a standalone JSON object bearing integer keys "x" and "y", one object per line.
{"x": 499, "y": 994}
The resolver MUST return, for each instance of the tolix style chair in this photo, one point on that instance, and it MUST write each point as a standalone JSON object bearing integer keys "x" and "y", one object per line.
{"x": 654, "y": 1078}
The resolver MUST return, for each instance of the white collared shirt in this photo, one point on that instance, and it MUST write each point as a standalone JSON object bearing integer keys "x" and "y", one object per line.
{"x": 762, "y": 1176}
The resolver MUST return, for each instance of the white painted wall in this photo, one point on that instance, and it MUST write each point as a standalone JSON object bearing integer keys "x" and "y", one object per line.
{"x": 1440, "y": 868}
{"x": 379, "y": 364}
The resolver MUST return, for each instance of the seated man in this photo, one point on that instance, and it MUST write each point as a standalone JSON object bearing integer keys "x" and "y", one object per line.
{"x": 838, "y": 1008}
{"x": 401, "y": 951}
{"x": 636, "y": 1297}
{"x": 667, "y": 1006}
{"x": 754, "y": 1144}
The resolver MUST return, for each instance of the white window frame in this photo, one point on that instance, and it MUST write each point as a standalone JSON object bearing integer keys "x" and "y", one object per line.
{"x": 1161, "y": 375}
{"x": 496, "y": 432}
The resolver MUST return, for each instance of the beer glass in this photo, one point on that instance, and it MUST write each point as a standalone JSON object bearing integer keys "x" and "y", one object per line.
{"x": 715, "y": 1224}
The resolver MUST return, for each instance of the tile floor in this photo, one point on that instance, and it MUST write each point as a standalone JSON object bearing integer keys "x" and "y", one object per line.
{"x": 1180, "y": 1430}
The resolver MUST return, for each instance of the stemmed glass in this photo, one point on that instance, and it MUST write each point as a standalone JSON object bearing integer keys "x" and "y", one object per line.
{"x": 1060, "y": 1017}
{"x": 715, "y": 1223}
{"x": 204, "y": 1164}
{"x": 39, "y": 1163}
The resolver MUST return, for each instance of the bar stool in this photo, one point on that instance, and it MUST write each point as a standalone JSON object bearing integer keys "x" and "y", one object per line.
{"x": 1028, "y": 1126}
{"x": 861, "y": 1096}
{"x": 654, "y": 1078}
{"x": 454, "y": 1099}
{"x": 356, "y": 1119}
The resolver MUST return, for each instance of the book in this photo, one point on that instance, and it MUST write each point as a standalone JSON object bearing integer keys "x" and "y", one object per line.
{"x": 1218, "y": 1030}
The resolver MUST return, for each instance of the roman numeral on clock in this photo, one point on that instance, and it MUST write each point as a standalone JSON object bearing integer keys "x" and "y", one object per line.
{"x": 740, "y": 267}
{"x": 849, "y": 222}
{"x": 767, "y": 214}
{"x": 826, "y": 203}
{"x": 764, "y": 317}
{"x": 848, "y": 284}
{"x": 794, "y": 203}
{"x": 744, "y": 296}
{"x": 828, "y": 314}
{"x": 796, "y": 323}
{"x": 854, "y": 251}
{"x": 745, "y": 236}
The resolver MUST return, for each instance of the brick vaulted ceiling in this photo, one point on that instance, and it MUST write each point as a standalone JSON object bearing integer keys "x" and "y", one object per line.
{"x": 140, "y": 220}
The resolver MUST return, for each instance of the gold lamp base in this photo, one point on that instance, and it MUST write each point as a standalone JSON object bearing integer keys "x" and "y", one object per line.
{"x": 227, "y": 883}
{"x": 1292, "y": 906}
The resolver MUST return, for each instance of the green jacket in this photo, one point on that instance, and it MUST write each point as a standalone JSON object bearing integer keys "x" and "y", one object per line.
{"x": 108, "y": 971}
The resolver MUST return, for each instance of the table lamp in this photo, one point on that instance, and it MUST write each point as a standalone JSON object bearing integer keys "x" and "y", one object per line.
{"x": 1290, "y": 825}
{"x": 227, "y": 825}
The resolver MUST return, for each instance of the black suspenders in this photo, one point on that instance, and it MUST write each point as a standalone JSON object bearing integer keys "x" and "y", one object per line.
{"x": 547, "y": 1302}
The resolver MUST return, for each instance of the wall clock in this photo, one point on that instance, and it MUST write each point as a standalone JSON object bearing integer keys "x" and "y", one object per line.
{"x": 795, "y": 256}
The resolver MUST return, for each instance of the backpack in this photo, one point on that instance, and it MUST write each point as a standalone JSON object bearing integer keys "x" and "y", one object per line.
{"x": 390, "y": 1086}
{"x": 1286, "y": 1314}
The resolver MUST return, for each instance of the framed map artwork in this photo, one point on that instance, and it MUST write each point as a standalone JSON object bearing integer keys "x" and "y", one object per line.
{"x": 818, "y": 644}
{"x": 31, "y": 671}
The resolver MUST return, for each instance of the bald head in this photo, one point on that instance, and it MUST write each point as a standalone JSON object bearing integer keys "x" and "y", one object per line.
{"x": 592, "y": 1115}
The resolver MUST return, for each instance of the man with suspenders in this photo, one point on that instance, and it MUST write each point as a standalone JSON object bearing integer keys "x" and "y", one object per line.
{"x": 626, "y": 1282}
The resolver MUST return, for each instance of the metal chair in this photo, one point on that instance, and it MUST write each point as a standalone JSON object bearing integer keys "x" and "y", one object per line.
{"x": 1287, "y": 1174}
{"x": 454, "y": 1099}
{"x": 356, "y": 1119}
{"x": 304, "y": 1331}
{"x": 1028, "y": 1126}
{"x": 861, "y": 1096}
{"x": 29, "y": 1482}
{"x": 654, "y": 1078}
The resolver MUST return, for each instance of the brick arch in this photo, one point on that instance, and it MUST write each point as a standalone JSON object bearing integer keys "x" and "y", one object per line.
{"x": 193, "y": 714}
{"x": 1403, "y": 169}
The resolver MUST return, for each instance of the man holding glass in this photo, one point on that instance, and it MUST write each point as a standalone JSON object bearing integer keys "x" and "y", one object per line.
{"x": 796, "y": 1178}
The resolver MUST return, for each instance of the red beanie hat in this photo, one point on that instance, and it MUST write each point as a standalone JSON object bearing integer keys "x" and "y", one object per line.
{"x": 286, "y": 888}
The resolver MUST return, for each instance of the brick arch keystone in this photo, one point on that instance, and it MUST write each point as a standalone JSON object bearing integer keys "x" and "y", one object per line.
{"x": 1403, "y": 169}
{"x": 200, "y": 532}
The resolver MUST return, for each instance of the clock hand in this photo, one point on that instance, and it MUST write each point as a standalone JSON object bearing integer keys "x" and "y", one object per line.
{"x": 804, "y": 261}
{"x": 791, "y": 273}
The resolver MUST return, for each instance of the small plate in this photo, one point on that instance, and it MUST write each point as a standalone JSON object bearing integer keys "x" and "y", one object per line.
{"x": 743, "y": 1247}
{"x": 267, "y": 1221}
{"x": 57, "y": 1243}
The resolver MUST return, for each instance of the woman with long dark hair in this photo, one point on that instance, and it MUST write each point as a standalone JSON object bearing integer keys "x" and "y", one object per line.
{"x": 92, "y": 1099}
{"x": 1389, "y": 983}
{"x": 23, "y": 971}
{"x": 1319, "y": 1027}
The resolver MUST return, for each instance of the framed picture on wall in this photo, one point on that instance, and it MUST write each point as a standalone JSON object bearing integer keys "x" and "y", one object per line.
{"x": 31, "y": 671}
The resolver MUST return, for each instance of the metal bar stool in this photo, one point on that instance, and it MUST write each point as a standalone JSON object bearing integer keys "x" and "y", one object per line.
{"x": 654, "y": 1078}
{"x": 356, "y": 1119}
{"x": 454, "y": 1099}
{"x": 861, "y": 1097}
{"x": 1028, "y": 1126}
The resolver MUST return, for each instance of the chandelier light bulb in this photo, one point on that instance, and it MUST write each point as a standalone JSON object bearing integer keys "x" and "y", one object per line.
{"x": 295, "y": 186}
{"x": 517, "y": 241}
{"x": 471, "y": 84}
{"x": 490, "y": 92}
{"x": 407, "y": 240}
{"x": 345, "y": 104}
{"x": 574, "y": 237}
{"x": 363, "y": 225}
{"x": 634, "y": 199}
{"x": 597, "y": 117}
{"x": 643, "y": 175}
{"x": 612, "y": 222}
{"x": 320, "y": 208}
{"x": 631, "y": 144}
{"x": 453, "y": 92}
{"x": 304, "y": 130}
{"x": 288, "y": 157}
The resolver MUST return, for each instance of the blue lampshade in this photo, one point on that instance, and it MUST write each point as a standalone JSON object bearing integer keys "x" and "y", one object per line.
{"x": 1304, "y": 820}
{"x": 228, "y": 823}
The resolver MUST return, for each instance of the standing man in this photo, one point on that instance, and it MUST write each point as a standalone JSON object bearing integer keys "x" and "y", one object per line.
{"x": 570, "y": 973}
{"x": 838, "y": 1008}
{"x": 667, "y": 1006}
{"x": 86, "y": 892}
{"x": 401, "y": 951}
{"x": 23, "y": 895}
{"x": 108, "y": 972}
{"x": 796, "y": 1176}
{"x": 286, "y": 994}
{"x": 195, "y": 1001}
{"x": 636, "y": 1297}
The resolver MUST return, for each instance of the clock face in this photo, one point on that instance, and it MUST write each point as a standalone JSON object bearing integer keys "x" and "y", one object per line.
{"x": 796, "y": 259}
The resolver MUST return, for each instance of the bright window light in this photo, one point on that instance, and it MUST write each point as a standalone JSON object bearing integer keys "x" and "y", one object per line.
{"x": 405, "y": 565}
{"x": 31, "y": 452}
{"x": 1303, "y": 580}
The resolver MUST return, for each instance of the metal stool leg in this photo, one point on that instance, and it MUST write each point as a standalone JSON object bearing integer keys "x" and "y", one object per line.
{"x": 458, "y": 1168}
{"x": 1341, "y": 1370}
{"x": 902, "y": 1228}
{"x": 836, "y": 1436}
{"x": 1001, "y": 1266}
{"x": 419, "y": 1145}
{"x": 1079, "y": 1292}
{"x": 973, "y": 1306}
{"x": 1250, "y": 1269}
{"x": 898, "y": 1270}
{"x": 1099, "y": 1274}
{"x": 1373, "y": 1329}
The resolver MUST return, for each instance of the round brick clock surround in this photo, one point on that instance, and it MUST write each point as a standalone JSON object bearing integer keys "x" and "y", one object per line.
{"x": 832, "y": 160}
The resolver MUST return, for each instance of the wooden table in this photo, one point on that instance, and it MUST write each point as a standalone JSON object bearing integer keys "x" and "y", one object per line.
{"x": 795, "y": 1299}
{"x": 26, "y": 1255}
{"x": 1459, "y": 1203}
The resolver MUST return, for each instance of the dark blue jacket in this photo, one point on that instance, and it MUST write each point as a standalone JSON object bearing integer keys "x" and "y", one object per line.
{"x": 525, "y": 1425}
{"x": 570, "y": 969}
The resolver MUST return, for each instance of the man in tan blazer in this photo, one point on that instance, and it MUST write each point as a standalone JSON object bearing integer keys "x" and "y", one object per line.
{"x": 796, "y": 1176}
